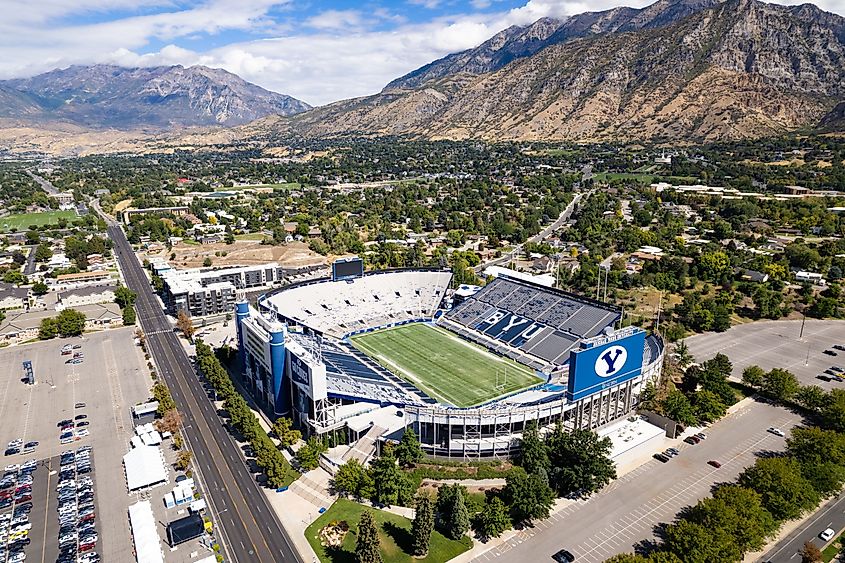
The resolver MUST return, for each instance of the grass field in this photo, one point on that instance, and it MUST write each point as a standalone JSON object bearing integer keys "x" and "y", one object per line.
{"x": 394, "y": 533}
{"x": 446, "y": 367}
{"x": 23, "y": 221}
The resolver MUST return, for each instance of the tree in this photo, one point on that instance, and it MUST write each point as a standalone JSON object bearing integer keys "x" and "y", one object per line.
{"x": 714, "y": 265}
{"x": 739, "y": 513}
{"x": 284, "y": 431}
{"x": 527, "y": 496}
{"x": 534, "y": 455}
{"x": 70, "y": 322}
{"x": 811, "y": 397}
{"x": 14, "y": 277}
{"x": 409, "y": 451}
{"x": 695, "y": 543}
{"x": 821, "y": 454}
{"x": 367, "y": 549}
{"x": 185, "y": 324}
{"x": 753, "y": 376}
{"x": 349, "y": 478}
{"x": 165, "y": 401}
{"x": 43, "y": 252}
{"x": 170, "y": 422}
{"x": 129, "y": 315}
{"x": 40, "y": 288}
{"x": 47, "y": 329}
{"x": 810, "y": 553}
{"x": 683, "y": 355}
{"x": 833, "y": 412}
{"x": 493, "y": 519}
{"x": 580, "y": 461}
{"x": 780, "y": 384}
{"x": 183, "y": 460}
{"x": 446, "y": 496}
{"x": 387, "y": 476}
{"x": 784, "y": 490}
{"x": 458, "y": 522}
{"x": 677, "y": 407}
{"x": 422, "y": 526}
{"x": 124, "y": 296}
{"x": 207, "y": 262}
{"x": 308, "y": 456}
{"x": 707, "y": 406}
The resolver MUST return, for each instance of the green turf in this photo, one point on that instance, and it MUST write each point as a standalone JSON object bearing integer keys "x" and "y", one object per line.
{"x": 23, "y": 221}
{"x": 394, "y": 533}
{"x": 444, "y": 366}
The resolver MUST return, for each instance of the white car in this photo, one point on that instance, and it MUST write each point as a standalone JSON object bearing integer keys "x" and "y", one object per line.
{"x": 827, "y": 534}
{"x": 777, "y": 431}
{"x": 82, "y": 433}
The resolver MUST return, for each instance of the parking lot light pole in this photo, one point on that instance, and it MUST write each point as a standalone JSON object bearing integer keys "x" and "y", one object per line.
{"x": 803, "y": 320}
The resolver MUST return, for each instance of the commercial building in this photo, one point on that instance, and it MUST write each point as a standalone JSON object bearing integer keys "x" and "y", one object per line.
{"x": 177, "y": 210}
{"x": 89, "y": 295}
{"x": 203, "y": 291}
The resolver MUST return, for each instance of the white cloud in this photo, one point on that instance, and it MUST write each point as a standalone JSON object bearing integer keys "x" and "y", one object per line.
{"x": 335, "y": 54}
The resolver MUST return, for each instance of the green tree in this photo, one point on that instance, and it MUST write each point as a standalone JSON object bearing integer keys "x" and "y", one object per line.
{"x": 780, "y": 384}
{"x": 534, "y": 454}
{"x": 493, "y": 519}
{"x": 308, "y": 456}
{"x": 422, "y": 526}
{"x": 821, "y": 454}
{"x": 458, "y": 522}
{"x": 207, "y": 262}
{"x": 627, "y": 558}
{"x": 129, "y": 315}
{"x": 579, "y": 460}
{"x": 43, "y": 252}
{"x": 40, "y": 288}
{"x": 833, "y": 411}
{"x": 165, "y": 401}
{"x": 739, "y": 513}
{"x": 284, "y": 431}
{"x": 124, "y": 296}
{"x": 14, "y": 277}
{"x": 446, "y": 496}
{"x": 811, "y": 397}
{"x": 70, "y": 322}
{"x": 683, "y": 355}
{"x": 47, "y": 329}
{"x": 348, "y": 479}
{"x": 707, "y": 406}
{"x": 409, "y": 452}
{"x": 528, "y": 497}
{"x": 387, "y": 477}
{"x": 367, "y": 549}
{"x": 677, "y": 407}
{"x": 784, "y": 490}
{"x": 714, "y": 265}
{"x": 753, "y": 376}
{"x": 695, "y": 543}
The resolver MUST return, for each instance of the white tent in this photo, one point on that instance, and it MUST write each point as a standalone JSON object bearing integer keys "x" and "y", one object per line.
{"x": 144, "y": 468}
{"x": 147, "y": 543}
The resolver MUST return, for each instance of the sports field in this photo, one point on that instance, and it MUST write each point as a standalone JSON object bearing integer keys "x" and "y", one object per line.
{"x": 446, "y": 367}
{"x": 23, "y": 221}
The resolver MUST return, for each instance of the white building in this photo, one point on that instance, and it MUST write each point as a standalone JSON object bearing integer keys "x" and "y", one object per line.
{"x": 89, "y": 295}
{"x": 810, "y": 277}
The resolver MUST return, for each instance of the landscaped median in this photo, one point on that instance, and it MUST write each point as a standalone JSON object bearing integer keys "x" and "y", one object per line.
{"x": 339, "y": 526}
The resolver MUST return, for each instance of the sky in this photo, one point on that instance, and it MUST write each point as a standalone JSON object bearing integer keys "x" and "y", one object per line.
{"x": 318, "y": 51}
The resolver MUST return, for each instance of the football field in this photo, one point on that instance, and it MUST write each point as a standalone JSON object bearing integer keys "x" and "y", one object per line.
{"x": 444, "y": 366}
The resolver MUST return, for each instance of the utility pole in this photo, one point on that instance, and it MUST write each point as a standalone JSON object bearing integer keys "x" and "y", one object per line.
{"x": 803, "y": 320}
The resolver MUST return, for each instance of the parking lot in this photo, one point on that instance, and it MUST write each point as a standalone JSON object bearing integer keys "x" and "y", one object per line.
{"x": 626, "y": 512}
{"x": 776, "y": 344}
{"x": 98, "y": 391}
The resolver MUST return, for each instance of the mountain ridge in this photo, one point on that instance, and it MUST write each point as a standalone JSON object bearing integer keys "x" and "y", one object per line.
{"x": 163, "y": 97}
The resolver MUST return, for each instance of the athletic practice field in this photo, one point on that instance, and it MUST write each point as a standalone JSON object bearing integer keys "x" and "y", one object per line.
{"x": 446, "y": 367}
{"x": 22, "y": 222}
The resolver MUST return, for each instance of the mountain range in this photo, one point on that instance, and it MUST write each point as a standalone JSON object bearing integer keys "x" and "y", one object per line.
{"x": 106, "y": 96}
{"x": 678, "y": 69}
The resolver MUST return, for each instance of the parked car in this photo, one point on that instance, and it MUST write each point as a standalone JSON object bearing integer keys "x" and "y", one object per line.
{"x": 563, "y": 556}
{"x": 714, "y": 463}
{"x": 830, "y": 352}
{"x": 776, "y": 431}
{"x": 692, "y": 440}
{"x": 701, "y": 436}
{"x": 661, "y": 457}
{"x": 827, "y": 534}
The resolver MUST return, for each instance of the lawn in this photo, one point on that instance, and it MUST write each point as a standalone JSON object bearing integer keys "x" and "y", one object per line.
{"x": 446, "y": 367}
{"x": 830, "y": 552}
{"x": 23, "y": 221}
{"x": 394, "y": 535}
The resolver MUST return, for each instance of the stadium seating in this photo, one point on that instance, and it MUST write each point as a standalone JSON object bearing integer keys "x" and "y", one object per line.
{"x": 378, "y": 299}
{"x": 532, "y": 324}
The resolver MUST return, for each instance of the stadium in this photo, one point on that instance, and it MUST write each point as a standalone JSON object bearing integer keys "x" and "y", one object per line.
{"x": 361, "y": 356}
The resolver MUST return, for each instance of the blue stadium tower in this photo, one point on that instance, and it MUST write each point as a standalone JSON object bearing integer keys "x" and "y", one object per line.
{"x": 262, "y": 346}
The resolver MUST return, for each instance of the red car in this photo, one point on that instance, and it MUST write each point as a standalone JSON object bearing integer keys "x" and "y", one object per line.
{"x": 24, "y": 498}
{"x": 87, "y": 546}
{"x": 87, "y": 517}
{"x": 714, "y": 463}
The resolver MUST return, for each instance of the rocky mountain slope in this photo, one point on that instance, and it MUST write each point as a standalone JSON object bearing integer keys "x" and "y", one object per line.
{"x": 105, "y": 96}
{"x": 683, "y": 70}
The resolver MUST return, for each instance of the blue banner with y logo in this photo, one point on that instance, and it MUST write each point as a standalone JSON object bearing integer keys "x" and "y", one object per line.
{"x": 604, "y": 362}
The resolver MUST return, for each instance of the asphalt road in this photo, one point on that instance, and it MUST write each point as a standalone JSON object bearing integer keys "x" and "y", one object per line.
{"x": 626, "y": 512}
{"x": 248, "y": 525}
{"x": 45, "y": 185}
{"x": 771, "y": 344}
{"x": 832, "y": 515}
{"x": 29, "y": 269}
